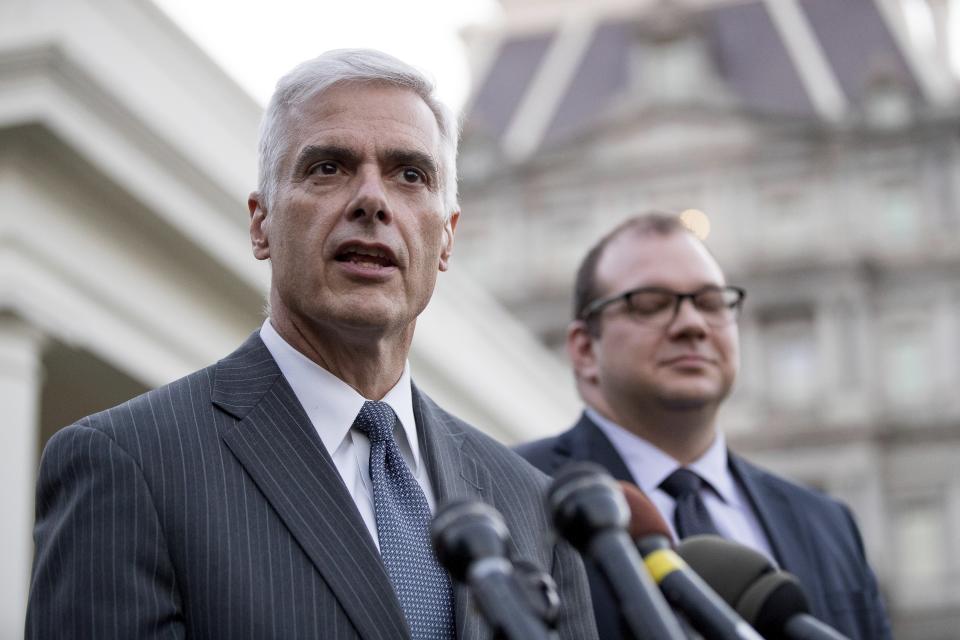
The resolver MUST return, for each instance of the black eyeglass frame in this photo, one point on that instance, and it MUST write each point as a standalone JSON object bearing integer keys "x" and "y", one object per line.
{"x": 600, "y": 304}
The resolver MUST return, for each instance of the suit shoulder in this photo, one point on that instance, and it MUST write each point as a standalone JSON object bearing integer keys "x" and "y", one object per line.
{"x": 152, "y": 407}
{"x": 540, "y": 453}
{"x": 812, "y": 502}
{"x": 491, "y": 450}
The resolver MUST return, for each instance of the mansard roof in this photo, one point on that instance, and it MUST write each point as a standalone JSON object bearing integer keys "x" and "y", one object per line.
{"x": 817, "y": 64}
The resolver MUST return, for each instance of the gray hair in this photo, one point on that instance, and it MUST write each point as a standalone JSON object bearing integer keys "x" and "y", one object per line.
{"x": 311, "y": 78}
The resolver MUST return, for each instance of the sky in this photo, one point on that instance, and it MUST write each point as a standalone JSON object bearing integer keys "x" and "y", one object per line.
{"x": 257, "y": 41}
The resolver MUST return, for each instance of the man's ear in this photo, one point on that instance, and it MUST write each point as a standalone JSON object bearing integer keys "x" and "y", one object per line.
{"x": 258, "y": 227}
{"x": 446, "y": 248}
{"x": 581, "y": 349}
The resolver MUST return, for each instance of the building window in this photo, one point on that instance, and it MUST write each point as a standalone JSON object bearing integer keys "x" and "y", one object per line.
{"x": 907, "y": 362}
{"x": 785, "y": 214}
{"x": 923, "y": 569}
{"x": 895, "y": 219}
{"x": 790, "y": 355}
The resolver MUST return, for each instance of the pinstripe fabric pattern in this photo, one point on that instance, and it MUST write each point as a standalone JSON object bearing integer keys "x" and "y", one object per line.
{"x": 210, "y": 509}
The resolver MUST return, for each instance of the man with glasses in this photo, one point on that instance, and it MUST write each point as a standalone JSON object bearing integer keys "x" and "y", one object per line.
{"x": 655, "y": 352}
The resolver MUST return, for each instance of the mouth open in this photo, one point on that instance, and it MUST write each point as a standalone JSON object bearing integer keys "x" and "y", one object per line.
{"x": 366, "y": 256}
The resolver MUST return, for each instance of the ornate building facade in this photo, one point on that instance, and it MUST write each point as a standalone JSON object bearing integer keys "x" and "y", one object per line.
{"x": 820, "y": 141}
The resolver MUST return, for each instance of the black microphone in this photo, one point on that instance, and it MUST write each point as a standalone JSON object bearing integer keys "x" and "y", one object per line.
{"x": 771, "y": 600}
{"x": 779, "y": 607}
{"x": 684, "y": 589}
{"x": 590, "y": 512}
{"x": 540, "y": 591}
{"x": 470, "y": 538}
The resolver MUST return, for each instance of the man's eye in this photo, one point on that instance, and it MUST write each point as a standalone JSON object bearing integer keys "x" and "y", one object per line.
{"x": 649, "y": 302}
{"x": 324, "y": 168}
{"x": 710, "y": 301}
{"x": 412, "y": 176}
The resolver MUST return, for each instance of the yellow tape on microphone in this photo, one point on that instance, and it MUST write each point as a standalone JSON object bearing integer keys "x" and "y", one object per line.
{"x": 662, "y": 563}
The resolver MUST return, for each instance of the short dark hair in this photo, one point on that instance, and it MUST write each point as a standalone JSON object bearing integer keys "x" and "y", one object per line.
{"x": 585, "y": 287}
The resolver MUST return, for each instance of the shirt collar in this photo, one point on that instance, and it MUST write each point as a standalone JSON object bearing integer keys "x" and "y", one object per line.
{"x": 331, "y": 404}
{"x": 712, "y": 466}
{"x": 650, "y": 466}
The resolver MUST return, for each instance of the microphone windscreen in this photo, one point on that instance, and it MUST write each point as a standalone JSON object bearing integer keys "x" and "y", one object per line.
{"x": 645, "y": 520}
{"x": 570, "y": 473}
{"x": 771, "y": 601}
{"x": 584, "y": 500}
{"x": 465, "y": 531}
{"x": 729, "y": 568}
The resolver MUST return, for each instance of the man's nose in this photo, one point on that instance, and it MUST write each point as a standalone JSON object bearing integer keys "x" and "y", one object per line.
{"x": 688, "y": 321}
{"x": 369, "y": 201}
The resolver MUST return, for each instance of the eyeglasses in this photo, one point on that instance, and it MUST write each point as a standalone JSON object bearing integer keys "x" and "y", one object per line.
{"x": 658, "y": 307}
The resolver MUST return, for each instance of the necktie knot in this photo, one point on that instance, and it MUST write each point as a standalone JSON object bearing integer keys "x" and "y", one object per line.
{"x": 376, "y": 420}
{"x": 682, "y": 483}
{"x": 691, "y": 516}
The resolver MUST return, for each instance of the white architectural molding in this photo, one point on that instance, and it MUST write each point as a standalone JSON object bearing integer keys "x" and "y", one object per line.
{"x": 47, "y": 90}
{"x": 936, "y": 82}
{"x": 68, "y": 313}
{"x": 551, "y": 81}
{"x": 809, "y": 59}
{"x": 20, "y": 379}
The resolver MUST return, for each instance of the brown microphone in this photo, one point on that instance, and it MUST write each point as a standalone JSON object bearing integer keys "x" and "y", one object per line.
{"x": 681, "y": 586}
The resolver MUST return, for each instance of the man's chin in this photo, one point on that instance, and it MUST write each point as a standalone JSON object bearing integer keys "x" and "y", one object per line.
{"x": 369, "y": 317}
{"x": 685, "y": 403}
{"x": 351, "y": 314}
{"x": 689, "y": 399}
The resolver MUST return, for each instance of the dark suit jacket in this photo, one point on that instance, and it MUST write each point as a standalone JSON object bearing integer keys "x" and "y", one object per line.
{"x": 813, "y": 537}
{"x": 209, "y": 508}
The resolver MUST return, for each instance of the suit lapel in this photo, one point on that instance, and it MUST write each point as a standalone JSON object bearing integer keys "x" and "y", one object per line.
{"x": 786, "y": 533}
{"x": 455, "y": 474}
{"x": 277, "y": 445}
{"x": 585, "y": 442}
{"x": 454, "y": 470}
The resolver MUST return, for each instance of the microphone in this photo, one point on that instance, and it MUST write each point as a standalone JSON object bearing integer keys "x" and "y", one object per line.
{"x": 540, "y": 591}
{"x": 779, "y": 607}
{"x": 470, "y": 538}
{"x": 684, "y": 589}
{"x": 590, "y": 512}
{"x": 771, "y": 600}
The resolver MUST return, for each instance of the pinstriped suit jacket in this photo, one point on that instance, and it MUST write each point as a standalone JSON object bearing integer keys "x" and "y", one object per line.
{"x": 209, "y": 508}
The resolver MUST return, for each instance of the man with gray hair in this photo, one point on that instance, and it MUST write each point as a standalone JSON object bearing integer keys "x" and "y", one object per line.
{"x": 287, "y": 490}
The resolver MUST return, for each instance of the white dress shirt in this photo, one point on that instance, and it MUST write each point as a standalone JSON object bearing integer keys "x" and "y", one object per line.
{"x": 332, "y": 405}
{"x": 725, "y": 500}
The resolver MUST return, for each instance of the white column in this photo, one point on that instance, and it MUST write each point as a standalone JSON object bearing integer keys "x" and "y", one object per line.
{"x": 21, "y": 348}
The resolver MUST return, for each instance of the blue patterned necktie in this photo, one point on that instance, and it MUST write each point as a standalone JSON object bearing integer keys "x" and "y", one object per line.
{"x": 403, "y": 527}
{"x": 690, "y": 516}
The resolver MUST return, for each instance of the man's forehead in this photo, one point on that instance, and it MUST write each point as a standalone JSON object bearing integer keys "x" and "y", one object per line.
{"x": 650, "y": 257}
{"x": 362, "y": 117}
{"x": 369, "y": 101}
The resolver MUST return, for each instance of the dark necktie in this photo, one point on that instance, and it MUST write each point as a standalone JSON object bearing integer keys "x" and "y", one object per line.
{"x": 403, "y": 527}
{"x": 690, "y": 516}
